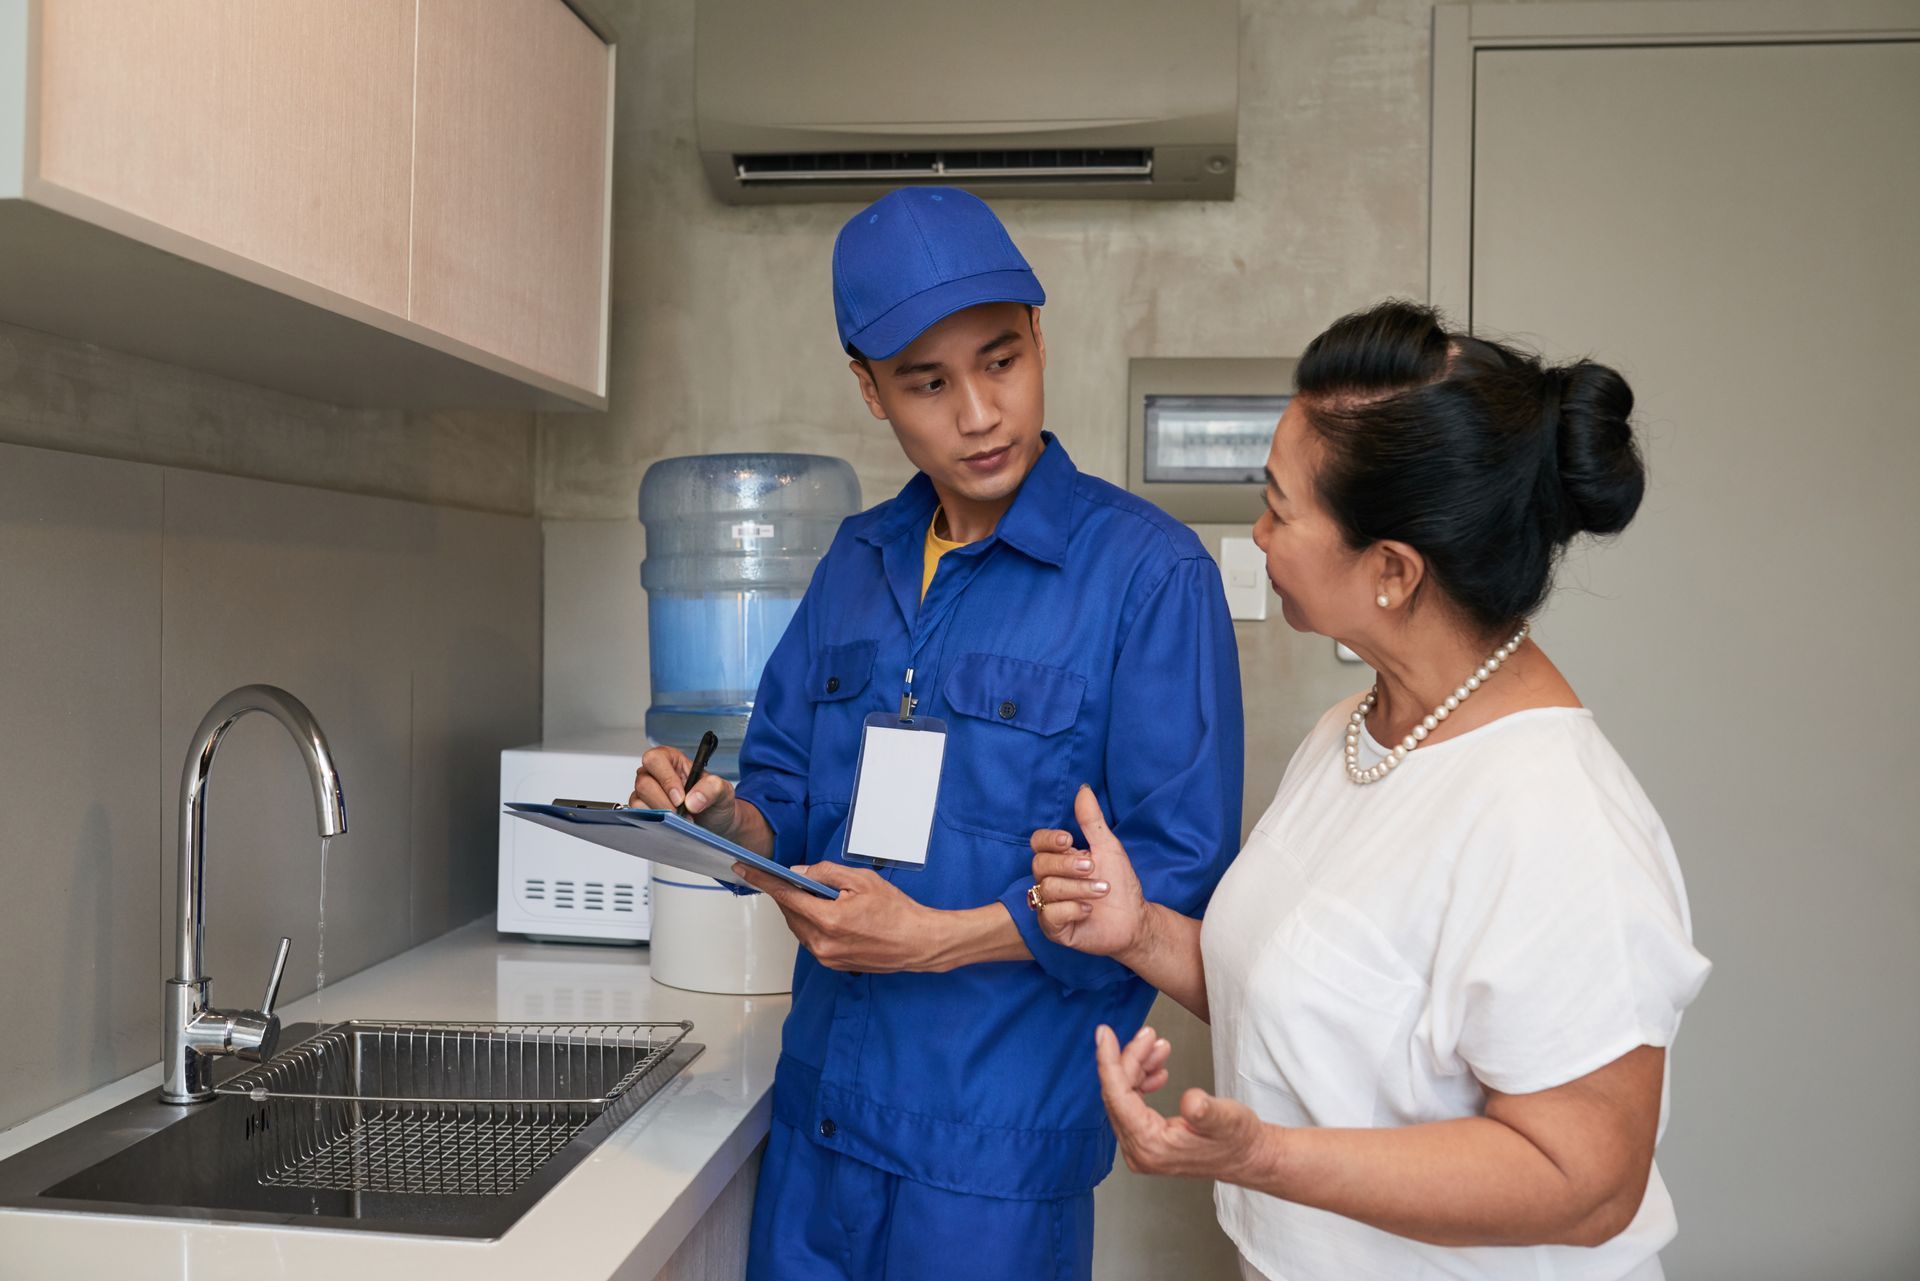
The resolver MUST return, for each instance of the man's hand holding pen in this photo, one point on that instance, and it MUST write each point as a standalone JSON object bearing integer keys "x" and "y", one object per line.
{"x": 661, "y": 784}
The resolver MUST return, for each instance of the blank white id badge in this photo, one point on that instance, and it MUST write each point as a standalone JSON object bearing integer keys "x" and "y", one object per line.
{"x": 895, "y": 785}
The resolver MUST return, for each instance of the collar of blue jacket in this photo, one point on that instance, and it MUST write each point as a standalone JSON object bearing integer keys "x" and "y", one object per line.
{"x": 1035, "y": 525}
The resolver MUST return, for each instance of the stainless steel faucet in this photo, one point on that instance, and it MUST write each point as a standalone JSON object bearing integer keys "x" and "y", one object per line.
{"x": 192, "y": 1032}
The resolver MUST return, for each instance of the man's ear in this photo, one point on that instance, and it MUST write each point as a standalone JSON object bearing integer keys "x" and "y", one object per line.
{"x": 1039, "y": 339}
{"x": 869, "y": 390}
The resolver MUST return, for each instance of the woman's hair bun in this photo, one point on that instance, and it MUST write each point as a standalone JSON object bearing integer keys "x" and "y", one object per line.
{"x": 1471, "y": 450}
{"x": 1602, "y": 475}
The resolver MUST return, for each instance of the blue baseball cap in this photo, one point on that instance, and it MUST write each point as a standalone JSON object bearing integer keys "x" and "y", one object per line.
{"x": 915, "y": 256}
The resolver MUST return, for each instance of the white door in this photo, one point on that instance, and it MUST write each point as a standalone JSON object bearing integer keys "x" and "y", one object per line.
{"x": 1737, "y": 228}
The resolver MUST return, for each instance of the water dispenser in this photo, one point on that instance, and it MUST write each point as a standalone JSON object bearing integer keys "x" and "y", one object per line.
{"x": 732, "y": 541}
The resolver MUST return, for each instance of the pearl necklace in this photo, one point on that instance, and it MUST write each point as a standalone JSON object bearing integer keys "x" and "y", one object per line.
{"x": 1375, "y": 773}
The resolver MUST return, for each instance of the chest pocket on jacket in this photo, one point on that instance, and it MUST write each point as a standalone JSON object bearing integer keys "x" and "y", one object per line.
{"x": 1007, "y": 761}
{"x": 837, "y": 680}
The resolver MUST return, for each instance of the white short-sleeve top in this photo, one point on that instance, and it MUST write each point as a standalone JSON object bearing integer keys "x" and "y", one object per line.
{"x": 1504, "y": 908}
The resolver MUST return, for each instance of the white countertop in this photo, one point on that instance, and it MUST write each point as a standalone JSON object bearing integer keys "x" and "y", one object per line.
{"x": 621, "y": 1212}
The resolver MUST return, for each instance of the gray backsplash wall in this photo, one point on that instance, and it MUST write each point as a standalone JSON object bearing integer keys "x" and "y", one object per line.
{"x": 133, "y": 594}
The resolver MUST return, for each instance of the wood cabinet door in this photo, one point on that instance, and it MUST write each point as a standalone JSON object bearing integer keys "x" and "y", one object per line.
{"x": 510, "y": 183}
{"x": 278, "y": 132}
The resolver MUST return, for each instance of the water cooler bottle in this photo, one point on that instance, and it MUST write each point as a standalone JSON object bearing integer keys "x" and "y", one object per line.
{"x": 732, "y": 541}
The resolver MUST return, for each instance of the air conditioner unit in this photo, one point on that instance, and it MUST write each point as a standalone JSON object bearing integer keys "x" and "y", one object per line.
{"x": 847, "y": 99}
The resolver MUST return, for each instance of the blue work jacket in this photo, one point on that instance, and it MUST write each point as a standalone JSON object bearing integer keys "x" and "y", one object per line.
{"x": 1085, "y": 641}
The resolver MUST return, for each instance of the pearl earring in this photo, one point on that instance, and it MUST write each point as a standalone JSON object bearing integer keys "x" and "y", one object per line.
{"x": 1381, "y": 600}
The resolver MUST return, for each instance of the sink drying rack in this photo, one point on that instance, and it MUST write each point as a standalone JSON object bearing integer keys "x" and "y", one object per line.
{"x": 462, "y": 1109}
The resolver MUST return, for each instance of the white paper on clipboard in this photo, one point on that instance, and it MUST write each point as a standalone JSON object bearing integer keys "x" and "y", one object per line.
{"x": 660, "y": 836}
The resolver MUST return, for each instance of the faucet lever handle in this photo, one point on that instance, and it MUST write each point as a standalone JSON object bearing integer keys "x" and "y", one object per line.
{"x": 273, "y": 983}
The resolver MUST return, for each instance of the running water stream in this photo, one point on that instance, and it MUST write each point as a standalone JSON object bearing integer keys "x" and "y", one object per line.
{"x": 320, "y": 962}
{"x": 320, "y": 984}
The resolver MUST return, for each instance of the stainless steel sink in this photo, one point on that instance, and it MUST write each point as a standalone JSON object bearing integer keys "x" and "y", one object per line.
{"x": 439, "y": 1129}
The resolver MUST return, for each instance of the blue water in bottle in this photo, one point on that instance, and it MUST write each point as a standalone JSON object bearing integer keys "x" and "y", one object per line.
{"x": 732, "y": 541}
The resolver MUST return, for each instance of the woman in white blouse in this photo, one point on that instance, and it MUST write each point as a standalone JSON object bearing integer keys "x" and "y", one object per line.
{"x": 1443, "y": 974}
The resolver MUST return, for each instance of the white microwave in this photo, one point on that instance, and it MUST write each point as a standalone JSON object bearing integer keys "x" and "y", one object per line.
{"x": 559, "y": 887}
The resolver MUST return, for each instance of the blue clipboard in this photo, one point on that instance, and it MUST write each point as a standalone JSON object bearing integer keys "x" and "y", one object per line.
{"x": 661, "y": 836}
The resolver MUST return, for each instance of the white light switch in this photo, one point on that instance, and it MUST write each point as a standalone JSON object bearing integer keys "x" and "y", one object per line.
{"x": 1244, "y": 568}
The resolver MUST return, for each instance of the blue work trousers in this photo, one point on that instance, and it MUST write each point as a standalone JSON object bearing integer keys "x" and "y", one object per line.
{"x": 821, "y": 1216}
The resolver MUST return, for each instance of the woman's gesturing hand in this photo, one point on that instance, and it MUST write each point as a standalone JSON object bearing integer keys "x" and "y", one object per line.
{"x": 1091, "y": 898}
{"x": 1212, "y": 1138}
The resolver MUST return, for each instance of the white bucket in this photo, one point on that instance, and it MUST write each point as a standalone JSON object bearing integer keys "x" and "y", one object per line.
{"x": 708, "y": 939}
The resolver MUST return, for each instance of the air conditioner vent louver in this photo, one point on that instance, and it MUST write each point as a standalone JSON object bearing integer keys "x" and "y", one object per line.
{"x": 1048, "y": 164}
{"x": 1090, "y": 100}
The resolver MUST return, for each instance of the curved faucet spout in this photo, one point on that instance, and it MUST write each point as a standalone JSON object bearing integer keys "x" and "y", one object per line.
{"x": 330, "y": 805}
{"x": 192, "y": 1030}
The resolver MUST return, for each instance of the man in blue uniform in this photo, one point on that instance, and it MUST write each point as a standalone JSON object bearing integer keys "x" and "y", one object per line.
{"x": 935, "y": 1112}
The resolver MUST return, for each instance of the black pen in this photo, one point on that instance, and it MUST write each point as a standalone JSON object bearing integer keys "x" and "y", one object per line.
{"x": 701, "y": 755}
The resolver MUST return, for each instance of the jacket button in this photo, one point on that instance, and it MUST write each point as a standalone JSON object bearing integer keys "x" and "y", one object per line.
{"x": 828, "y": 1129}
{"x": 1007, "y": 709}
{"x": 833, "y": 684}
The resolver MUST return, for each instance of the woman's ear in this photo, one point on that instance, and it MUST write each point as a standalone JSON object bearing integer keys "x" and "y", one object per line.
{"x": 1399, "y": 571}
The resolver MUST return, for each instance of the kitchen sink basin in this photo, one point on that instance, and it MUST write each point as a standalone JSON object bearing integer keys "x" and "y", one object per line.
{"x": 443, "y": 1129}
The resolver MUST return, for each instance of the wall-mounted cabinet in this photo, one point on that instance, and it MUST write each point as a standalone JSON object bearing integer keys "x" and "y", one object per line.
{"x": 403, "y": 204}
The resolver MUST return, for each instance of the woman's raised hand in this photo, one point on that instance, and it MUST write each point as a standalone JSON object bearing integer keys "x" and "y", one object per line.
{"x": 1091, "y": 899}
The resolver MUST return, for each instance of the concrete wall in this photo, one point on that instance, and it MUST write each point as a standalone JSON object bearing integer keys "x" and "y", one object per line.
{"x": 56, "y": 393}
{"x": 723, "y": 323}
{"x": 133, "y": 594}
